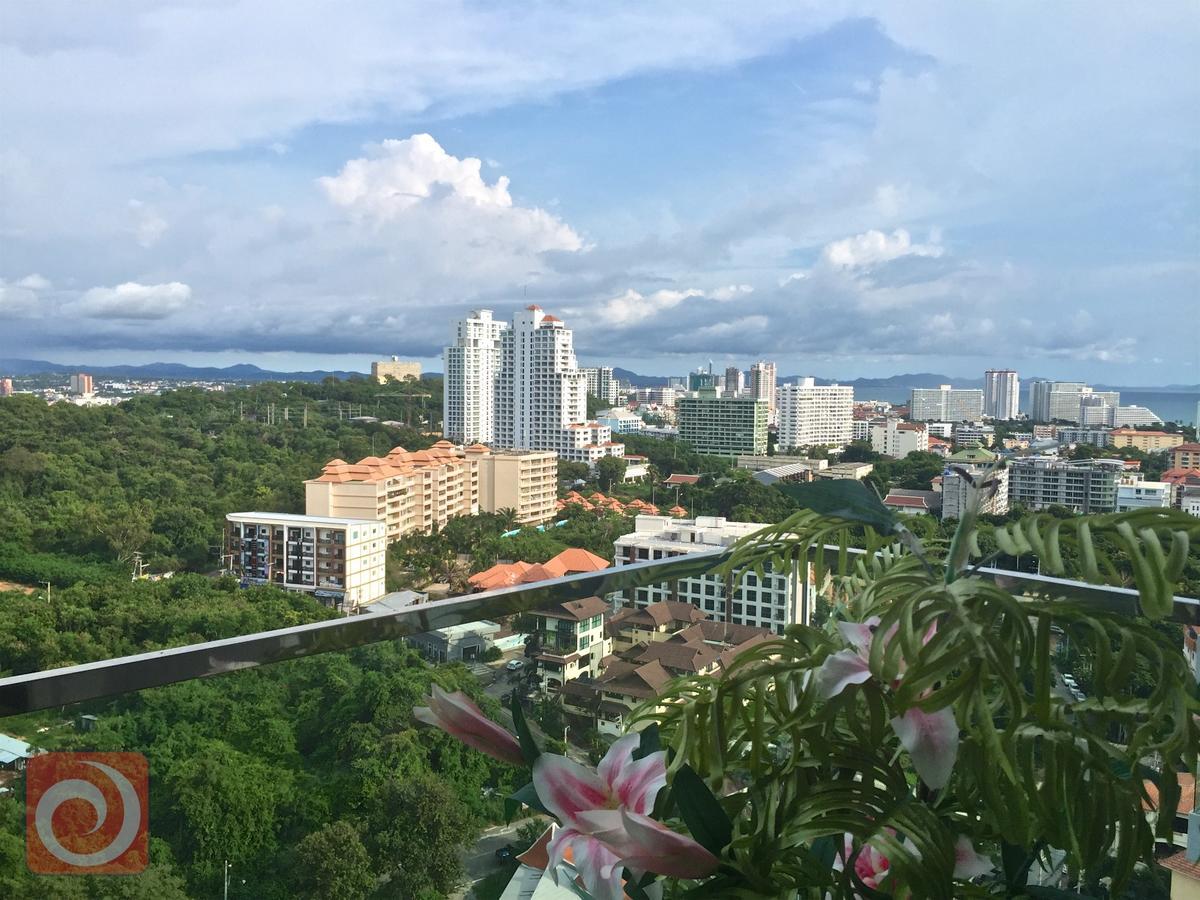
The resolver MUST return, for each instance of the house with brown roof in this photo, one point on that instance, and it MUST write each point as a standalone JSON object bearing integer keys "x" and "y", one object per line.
{"x": 656, "y": 622}
{"x": 570, "y": 641}
{"x": 678, "y": 640}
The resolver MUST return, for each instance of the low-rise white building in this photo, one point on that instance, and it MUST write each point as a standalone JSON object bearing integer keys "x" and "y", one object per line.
{"x": 897, "y": 439}
{"x": 1137, "y": 494}
{"x": 340, "y": 562}
{"x": 775, "y": 601}
{"x": 621, "y": 421}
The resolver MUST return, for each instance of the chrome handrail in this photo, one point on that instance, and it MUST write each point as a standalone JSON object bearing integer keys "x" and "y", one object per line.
{"x": 91, "y": 681}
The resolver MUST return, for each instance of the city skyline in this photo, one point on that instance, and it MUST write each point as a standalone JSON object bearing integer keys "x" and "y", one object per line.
{"x": 875, "y": 204}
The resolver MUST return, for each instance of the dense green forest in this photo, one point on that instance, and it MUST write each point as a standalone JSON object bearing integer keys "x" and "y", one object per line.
{"x": 316, "y": 760}
{"x": 157, "y": 474}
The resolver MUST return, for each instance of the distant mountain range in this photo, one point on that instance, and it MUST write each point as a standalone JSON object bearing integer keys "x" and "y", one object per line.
{"x": 247, "y": 372}
{"x": 242, "y": 372}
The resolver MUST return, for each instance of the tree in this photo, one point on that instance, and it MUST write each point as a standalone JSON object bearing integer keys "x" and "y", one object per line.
{"x": 334, "y": 865}
{"x": 417, "y": 829}
{"x": 610, "y": 470}
{"x": 570, "y": 471}
{"x": 859, "y": 451}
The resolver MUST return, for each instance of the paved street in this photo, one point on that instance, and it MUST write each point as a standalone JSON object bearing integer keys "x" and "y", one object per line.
{"x": 480, "y": 860}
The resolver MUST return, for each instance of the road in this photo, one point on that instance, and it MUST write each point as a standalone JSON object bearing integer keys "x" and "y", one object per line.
{"x": 480, "y": 860}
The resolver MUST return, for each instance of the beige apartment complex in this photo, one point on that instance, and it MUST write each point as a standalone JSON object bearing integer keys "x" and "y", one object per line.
{"x": 522, "y": 480}
{"x": 424, "y": 489}
{"x": 397, "y": 368}
{"x": 1149, "y": 441}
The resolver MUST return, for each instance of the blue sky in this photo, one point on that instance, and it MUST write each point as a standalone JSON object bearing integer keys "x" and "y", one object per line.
{"x": 847, "y": 188}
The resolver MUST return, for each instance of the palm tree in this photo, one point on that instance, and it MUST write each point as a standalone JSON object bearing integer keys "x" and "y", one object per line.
{"x": 508, "y": 519}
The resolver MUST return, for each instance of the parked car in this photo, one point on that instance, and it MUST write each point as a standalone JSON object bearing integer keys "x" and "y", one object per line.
{"x": 505, "y": 853}
{"x": 513, "y": 664}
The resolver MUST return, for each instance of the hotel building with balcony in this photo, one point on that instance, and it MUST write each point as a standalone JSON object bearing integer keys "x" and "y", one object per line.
{"x": 424, "y": 489}
{"x": 812, "y": 415}
{"x": 723, "y": 426}
{"x": 774, "y": 601}
{"x": 338, "y": 560}
{"x": 1084, "y": 486}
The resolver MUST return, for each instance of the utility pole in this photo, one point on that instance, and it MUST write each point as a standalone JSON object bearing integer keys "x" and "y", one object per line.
{"x": 47, "y": 584}
{"x": 226, "y": 894}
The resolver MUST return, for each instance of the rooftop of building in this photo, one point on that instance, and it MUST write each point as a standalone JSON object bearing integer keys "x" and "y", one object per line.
{"x": 1189, "y": 447}
{"x": 266, "y": 518}
{"x": 681, "y": 478}
{"x": 575, "y": 610}
{"x": 569, "y": 562}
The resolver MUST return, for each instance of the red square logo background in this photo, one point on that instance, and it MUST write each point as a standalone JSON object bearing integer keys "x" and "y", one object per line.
{"x": 65, "y": 833}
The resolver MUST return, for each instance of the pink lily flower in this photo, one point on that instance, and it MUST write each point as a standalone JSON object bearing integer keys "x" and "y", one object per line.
{"x": 871, "y": 866}
{"x": 457, "y": 715}
{"x": 605, "y": 819}
{"x": 847, "y": 667}
{"x": 931, "y": 740}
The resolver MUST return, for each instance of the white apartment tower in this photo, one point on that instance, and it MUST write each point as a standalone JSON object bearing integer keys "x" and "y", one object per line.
{"x": 945, "y": 404}
{"x": 469, "y": 387}
{"x": 541, "y": 393}
{"x": 601, "y": 383}
{"x": 812, "y": 415}
{"x": 1001, "y": 394}
{"x": 762, "y": 384}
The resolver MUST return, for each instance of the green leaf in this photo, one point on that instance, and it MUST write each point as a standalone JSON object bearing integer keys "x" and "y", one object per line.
{"x": 845, "y": 498}
{"x": 529, "y": 748}
{"x": 527, "y": 796}
{"x": 649, "y": 742}
{"x": 703, "y": 815}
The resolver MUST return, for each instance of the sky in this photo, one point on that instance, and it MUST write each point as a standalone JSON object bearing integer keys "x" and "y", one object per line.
{"x": 848, "y": 188}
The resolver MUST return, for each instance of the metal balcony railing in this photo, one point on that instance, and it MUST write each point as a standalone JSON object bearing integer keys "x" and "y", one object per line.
{"x": 89, "y": 681}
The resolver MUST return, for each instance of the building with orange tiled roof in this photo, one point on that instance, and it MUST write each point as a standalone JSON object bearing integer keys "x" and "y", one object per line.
{"x": 422, "y": 490}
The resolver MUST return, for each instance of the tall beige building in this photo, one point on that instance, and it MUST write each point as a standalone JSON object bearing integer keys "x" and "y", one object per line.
{"x": 526, "y": 481}
{"x": 400, "y": 369}
{"x": 424, "y": 489}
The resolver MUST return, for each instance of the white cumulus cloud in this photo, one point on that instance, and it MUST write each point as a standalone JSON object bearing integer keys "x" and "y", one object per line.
{"x": 131, "y": 300}
{"x": 632, "y": 306}
{"x": 874, "y": 247}
{"x": 34, "y": 282}
{"x": 415, "y": 175}
{"x": 731, "y": 292}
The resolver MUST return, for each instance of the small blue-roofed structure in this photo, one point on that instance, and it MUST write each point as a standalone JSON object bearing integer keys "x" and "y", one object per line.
{"x": 13, "y": 753}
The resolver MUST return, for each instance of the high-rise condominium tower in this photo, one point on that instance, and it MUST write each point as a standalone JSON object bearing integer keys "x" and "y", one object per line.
{"x": 762, "y": 384}
{"x": 945, "y": 404}
{"x": 812, "y": 415}
{"x": 1001, "y": 394}
{"x": 526, "y": 377}
{"x": 469, "y": 388}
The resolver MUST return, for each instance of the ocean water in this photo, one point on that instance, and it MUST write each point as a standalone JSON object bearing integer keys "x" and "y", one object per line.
{"x": 1170, "y": 406}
